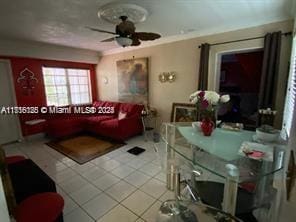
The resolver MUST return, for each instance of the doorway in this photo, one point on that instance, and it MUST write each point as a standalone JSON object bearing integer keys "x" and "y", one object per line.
{"x": 9, "y": 125}
{"x": 240, "y": 75}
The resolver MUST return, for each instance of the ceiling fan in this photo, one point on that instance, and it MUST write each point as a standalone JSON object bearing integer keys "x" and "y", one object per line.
{"x": 126, "y": 35}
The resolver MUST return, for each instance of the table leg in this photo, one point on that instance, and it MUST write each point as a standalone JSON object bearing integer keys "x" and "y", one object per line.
{"x": 144, "y": 129}
{"x": 173, "y": 180}
{"x": 230, "y": 189}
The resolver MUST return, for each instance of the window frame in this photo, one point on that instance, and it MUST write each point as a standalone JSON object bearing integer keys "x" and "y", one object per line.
{"x": 68, "y": 85}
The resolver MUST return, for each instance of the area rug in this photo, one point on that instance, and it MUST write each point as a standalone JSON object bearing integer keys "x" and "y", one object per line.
{"x": 83, "y": 148}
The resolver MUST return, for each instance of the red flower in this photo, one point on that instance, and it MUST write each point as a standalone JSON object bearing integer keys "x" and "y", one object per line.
{"x": 201, "y": 94}
{"x": 204, "y": 104}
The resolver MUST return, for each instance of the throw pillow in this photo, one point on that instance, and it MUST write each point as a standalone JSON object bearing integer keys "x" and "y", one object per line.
{"x": 121, "y": 115}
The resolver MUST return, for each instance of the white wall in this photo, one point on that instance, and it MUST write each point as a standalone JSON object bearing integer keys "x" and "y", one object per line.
{"x": 183, "y": 58}
{"x": 4, "y": 217}
{"x": 46, "y": 51}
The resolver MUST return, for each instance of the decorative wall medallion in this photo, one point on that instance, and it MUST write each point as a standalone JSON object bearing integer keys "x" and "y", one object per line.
{"x": 111, "y": 12}
{"x": 28, "y": 81}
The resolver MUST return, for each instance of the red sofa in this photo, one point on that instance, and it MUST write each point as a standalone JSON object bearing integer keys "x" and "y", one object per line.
{"x": 106, "y": 125}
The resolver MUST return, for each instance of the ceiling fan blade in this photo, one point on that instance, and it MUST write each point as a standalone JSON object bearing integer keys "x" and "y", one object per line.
{"x": 108, "y": 40}
{"x": 100, "y": 30}
{"x": 136, "y": 41}
{"x": 146, "y": 36}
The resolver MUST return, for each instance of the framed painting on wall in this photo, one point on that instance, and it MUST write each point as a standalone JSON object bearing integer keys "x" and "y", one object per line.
{"x": 183, "y": 112}
{"x": 133, "y": 80}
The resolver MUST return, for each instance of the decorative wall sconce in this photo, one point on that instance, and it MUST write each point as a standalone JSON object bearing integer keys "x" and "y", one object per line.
{"x": 105, "y": 80}
{"x": 167, "y": 77}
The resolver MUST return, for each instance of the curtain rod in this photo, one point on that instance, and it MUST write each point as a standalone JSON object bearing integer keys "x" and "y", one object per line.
{"x": 241, "y": 40}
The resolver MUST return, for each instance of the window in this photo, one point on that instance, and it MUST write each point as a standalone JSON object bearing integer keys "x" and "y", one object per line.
{"x": 67, "y": 86}
{"x": 291, "y": 93}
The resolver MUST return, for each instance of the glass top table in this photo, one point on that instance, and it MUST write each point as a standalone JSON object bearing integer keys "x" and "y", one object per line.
{"x": 220, "y": 155}
{"x": 222, "y": 143}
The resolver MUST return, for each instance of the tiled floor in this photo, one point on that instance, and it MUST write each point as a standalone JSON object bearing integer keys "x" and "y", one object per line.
{"x": 115, "y": 187}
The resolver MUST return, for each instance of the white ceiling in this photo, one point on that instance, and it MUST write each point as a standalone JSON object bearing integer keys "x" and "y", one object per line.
{"x": 62, "y": 22}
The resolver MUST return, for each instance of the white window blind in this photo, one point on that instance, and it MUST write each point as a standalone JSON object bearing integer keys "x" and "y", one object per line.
{"x": 291, "y": 93}
{"x": 67, "y": 86}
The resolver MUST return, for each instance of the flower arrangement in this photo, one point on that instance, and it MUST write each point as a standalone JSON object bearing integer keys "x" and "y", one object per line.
{"x": 208, "y": 100}
{"x": 266, "y": 117}
{"x": 207, "y": 103}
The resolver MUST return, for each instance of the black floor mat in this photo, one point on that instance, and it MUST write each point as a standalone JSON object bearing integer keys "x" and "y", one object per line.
{"x": 136, "y": 150}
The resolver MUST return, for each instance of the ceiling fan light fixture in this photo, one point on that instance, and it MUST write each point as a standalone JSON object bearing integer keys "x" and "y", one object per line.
{"x": 123, "y": 41}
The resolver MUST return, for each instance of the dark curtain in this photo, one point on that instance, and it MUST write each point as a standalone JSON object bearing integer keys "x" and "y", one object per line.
{"x": 270, "y": 69}
{"x": 203, "y": 66}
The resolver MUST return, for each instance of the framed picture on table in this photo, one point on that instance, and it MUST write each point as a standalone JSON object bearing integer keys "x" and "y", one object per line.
{"x": 183, "y": 112}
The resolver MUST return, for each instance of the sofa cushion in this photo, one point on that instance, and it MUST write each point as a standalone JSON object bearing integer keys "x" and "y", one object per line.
{"x": 98, "y": 103}
{"x": 66, "y": 126}
{"x": 68, "y": 121}
{"x": 108, "y": 128}
{"x": 131, "y": 109}
{"x": 92, "y": 120}
{"x": 114, "y": 105}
